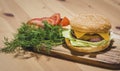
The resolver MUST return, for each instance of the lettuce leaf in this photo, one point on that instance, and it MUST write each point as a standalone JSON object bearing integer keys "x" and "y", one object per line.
{"x": 77, "y": 42}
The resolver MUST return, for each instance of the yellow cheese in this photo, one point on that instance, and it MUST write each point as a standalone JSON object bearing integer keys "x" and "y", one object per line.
{"x": 79, "y": 34}
{"x": 106, "y": 36}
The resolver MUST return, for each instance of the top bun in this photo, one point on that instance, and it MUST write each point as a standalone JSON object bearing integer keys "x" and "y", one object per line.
{"x": 90, "y": 23}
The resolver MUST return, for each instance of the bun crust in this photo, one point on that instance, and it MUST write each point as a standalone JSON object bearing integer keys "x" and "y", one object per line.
{"x": 90, "y": 23}
{"x": 86, "y": 49}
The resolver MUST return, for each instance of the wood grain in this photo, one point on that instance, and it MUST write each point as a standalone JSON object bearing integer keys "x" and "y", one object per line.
{"x": 23, "y": 10}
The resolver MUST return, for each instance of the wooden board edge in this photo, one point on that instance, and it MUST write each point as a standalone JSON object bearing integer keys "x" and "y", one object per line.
{"x": 74, "y": 58}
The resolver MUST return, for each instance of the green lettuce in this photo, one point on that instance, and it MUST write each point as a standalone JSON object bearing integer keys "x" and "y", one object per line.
{"x": 82, "y": 43}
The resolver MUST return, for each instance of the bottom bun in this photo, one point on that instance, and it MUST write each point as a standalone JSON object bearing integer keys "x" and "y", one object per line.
{"x": 86, "y": 49}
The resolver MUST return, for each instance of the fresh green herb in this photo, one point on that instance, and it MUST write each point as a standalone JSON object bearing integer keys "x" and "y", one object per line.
{"x": 31, "y": 38}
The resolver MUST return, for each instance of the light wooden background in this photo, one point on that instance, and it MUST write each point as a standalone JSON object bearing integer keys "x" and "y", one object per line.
{"x": 24, "y": 10}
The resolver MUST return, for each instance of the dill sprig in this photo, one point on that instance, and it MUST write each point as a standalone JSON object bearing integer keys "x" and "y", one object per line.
{"x": 31, "y": 38}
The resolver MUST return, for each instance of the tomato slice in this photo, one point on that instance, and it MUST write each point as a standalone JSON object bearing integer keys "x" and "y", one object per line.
{"x": 65, "y": 21}
{"x": 53, "y": 20}
{"x": 39, "y": 21}
{"x": 56, "y": 18}
{"x": 36, "y": 21}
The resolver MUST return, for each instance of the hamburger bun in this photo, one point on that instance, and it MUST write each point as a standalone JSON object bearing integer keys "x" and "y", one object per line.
{"x": 90, "y": 23}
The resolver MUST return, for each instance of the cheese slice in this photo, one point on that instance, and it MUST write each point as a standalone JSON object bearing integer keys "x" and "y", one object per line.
{"x": 79, "y": 34}
{"x": 106, "y": 36}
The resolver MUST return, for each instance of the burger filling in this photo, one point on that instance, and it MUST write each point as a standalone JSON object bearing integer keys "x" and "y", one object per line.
{"x": 93, "y": 37}
{"x": 86, "y": 39}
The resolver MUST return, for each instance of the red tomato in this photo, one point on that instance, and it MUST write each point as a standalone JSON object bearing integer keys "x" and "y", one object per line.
{"x": 56, "y": 18}
{"x": 65, "y": 21}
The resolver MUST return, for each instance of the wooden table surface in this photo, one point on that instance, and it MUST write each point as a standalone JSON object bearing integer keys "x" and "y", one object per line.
{"x": 22, "y": 10}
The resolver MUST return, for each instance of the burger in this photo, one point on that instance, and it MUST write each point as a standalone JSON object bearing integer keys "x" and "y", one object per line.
{"x": 88, "y": 33}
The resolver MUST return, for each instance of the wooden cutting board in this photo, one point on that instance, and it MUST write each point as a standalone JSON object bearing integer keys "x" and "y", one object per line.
{"x": 109, "y": 58}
